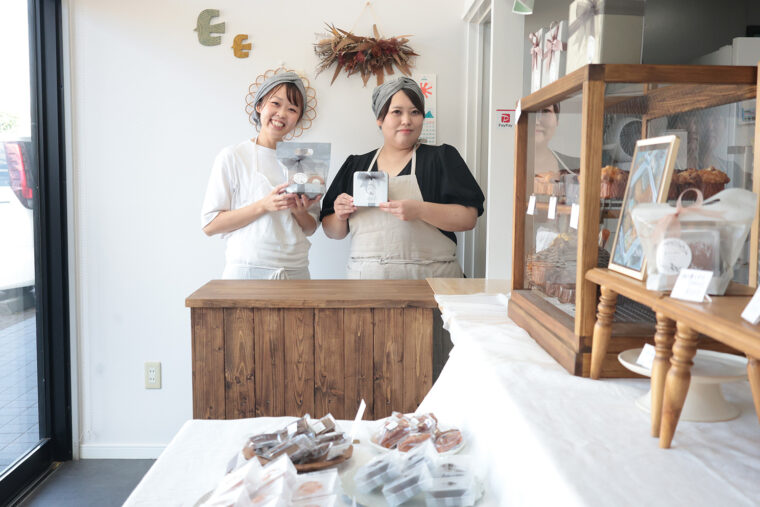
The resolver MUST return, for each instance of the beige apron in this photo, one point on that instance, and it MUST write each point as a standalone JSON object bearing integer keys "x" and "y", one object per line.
{"x": 386, "y": 248}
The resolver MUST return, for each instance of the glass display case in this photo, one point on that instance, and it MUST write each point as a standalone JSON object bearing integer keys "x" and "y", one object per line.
{"x": 575, "y": 139}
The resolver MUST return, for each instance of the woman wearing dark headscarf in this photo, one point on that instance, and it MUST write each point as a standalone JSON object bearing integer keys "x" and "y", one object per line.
{"x": 265, "y": 228}
{"x": 431, "y": 195}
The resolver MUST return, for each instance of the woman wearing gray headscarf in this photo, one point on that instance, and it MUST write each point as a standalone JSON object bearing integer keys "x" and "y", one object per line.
{"x": 431, "y": 195}
{"x": 266, "y": 229}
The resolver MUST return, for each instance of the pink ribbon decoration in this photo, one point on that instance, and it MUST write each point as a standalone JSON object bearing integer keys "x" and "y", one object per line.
{"x": 552, "y": 44}
{"x": 672, "y": 220}
{"x": 535, "y": 50}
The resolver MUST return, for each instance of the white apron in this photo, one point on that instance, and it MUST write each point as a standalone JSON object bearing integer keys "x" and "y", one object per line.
{"x": 272, "y": 246}
{"x": 384, "y": 247}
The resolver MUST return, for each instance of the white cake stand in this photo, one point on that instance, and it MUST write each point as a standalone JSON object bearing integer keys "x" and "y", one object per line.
{"x": 704, "y": 401}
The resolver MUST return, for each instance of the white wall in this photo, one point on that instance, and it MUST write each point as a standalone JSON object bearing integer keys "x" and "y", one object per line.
{"x": 150, "y": 109}
{"x": 506, "y": 88}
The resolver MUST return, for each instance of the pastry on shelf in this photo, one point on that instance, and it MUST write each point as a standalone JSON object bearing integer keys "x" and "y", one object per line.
{"x": 613, "y": 183}
{"x": 712, "y": 181}
{"x": 688, "y": 178}
{"x": 549, "y": 183}
{"x": 673, "y": 188}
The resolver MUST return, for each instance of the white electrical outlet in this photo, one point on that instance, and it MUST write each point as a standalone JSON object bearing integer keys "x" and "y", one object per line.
{"x": 152, "y": 375}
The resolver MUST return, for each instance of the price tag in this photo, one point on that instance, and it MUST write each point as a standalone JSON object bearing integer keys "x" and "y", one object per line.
{"x": 552, "y": 208}
{"x": 646, "y": 357}
{"x": 518, "y": 112}
{"x": 575, "y": 212}
{"x": 751, "y": 312}
{"x": 691, "y": 285}
{"x": 531, "y": 205}
{"x": 359, "y": 415}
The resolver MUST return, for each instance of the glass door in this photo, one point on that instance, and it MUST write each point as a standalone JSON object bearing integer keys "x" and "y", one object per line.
{"x": 35, "y": 427}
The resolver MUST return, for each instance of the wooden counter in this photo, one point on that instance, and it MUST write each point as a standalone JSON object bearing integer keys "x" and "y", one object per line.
{"x": 290, "y": 347}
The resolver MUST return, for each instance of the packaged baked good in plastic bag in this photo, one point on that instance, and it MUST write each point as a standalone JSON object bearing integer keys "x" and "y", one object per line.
{"x": 307, "y": 165}
{"x": 706, "y": 235}
{"x": 315, "y": 484}
{"x": 394, "y": 428}
{"x": 376, "y": 472}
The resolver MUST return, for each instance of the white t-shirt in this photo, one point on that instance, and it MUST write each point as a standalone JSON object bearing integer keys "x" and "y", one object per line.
{"x": 244, "y": 174}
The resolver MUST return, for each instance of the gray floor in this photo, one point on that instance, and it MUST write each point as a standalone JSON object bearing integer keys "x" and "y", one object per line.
{"x": 19, "y": 419}
{"x": 89, "y": 482}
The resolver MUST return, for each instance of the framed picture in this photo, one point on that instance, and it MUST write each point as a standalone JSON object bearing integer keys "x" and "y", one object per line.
{"x": 651, "y": 171}
{"x": 745, "y": 112}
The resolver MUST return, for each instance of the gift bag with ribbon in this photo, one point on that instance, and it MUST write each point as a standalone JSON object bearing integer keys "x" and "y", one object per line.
{"x": 706, "y": 235}
{"x": 555, "y": 53}
{"x": 536, "y": 54}
{"x": 604, "y": 31}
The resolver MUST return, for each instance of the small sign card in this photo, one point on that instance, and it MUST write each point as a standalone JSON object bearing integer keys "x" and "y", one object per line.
{"x": 691, "y": 285}
{"x": 575, "y": 212}
{"x": 552, "y": 208}
{"x": 359, "y": 415}
{"x": 646, "y": 357}
{"x": 531, "y": 205}
{"x": 751, "y": 312}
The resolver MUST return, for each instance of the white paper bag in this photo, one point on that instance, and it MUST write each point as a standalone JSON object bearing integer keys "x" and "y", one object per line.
{"x": 536, "y": 54}
{"x": 554, "y": 53}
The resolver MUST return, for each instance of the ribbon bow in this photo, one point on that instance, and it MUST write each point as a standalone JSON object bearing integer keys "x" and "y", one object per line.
{"x": 665, "y": 223}
{"x": 535, "y": 50}
{"x": 552, "y": 44}
{"x": 586, "y": 10}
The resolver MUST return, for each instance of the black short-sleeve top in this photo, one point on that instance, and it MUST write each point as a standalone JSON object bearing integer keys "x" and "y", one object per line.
{"x": 442, "y": 175}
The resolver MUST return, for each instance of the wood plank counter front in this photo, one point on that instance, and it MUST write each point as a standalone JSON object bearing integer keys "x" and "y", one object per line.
{"x": 291, "y": 347}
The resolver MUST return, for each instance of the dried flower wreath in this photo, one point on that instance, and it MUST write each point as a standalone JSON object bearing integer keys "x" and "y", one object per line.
{"x": 365, "y": 55}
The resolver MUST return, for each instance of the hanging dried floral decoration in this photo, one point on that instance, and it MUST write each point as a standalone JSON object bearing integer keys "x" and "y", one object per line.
{"x": 365, "y": 55}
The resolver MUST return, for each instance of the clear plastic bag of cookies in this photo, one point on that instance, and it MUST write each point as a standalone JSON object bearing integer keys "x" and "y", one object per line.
{"x": 315, "y": 484}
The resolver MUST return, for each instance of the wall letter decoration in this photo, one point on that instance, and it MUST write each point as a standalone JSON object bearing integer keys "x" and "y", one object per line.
{"x": 241, "y": 50}
{"x": 205, "y": 28}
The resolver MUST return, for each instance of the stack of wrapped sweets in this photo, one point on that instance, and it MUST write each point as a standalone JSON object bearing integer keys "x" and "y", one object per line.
{"x": 562, "y": 250}
{"x": 304, "y": 441}
{"x": 443, "y": 480}
{"x": 405, "y": 432}
{"x": 276, "y": 484}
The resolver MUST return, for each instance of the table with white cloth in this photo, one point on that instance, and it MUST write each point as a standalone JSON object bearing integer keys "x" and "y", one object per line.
{"x": 196, "y": 458}
{"x": 551, "y": 438}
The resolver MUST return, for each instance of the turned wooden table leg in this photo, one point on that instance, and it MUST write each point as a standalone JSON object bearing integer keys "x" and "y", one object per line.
{"x": 677, "y": 381}
{"x": 753, "y": 372}
{"x": 602, "y": 329}
{"x": 663, "y": 343}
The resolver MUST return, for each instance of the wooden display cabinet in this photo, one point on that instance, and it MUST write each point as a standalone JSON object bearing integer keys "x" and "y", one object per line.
{"x": 713, "y": 105}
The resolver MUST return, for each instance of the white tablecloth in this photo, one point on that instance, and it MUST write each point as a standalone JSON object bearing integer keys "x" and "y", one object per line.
{"x": 553, "y": 439}
{"x": 196, "y": 458}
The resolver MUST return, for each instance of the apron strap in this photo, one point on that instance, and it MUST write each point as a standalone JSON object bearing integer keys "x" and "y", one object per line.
{"x": 414, "y": 159}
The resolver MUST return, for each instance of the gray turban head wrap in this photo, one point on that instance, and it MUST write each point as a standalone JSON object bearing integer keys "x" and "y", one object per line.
{"x": 272, "y": 83}
{"x": 385, "y": 91}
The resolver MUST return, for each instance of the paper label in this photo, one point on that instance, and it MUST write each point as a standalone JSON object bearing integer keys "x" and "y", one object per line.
{"x": 575, "y": 212}
{"x": 691, "y": 285}
{"x": 531, "y": 205}
{"x": 673, "y": 255}
{"x": 552, "y": 208}
{"x": 359, "y": 415}
{"x": 646, "y": 357}
{"x": 751, "y": 312}
{"x": 590, "y": 49}
{"x": 518, "y": 112}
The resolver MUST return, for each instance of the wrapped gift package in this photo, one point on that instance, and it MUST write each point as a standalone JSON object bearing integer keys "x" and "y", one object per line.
{"x": 307, "y": 165}
{"x": 604, "y": 31}
{"x": 707, "y": 235}
{"x": 536, "y": 54}
{"x": 554, "y": 53}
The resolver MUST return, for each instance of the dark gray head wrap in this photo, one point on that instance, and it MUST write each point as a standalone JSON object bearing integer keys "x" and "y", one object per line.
{"x": 272, "y": 83}
{"x": 385, "y": 91}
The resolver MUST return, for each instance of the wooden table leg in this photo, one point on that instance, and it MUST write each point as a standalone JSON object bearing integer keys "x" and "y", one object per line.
{"x": 663, "y": 342}
{"x": 677, "y": 381}
{"x": 753, "y": 372}
{"x": 602, "y": 329}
